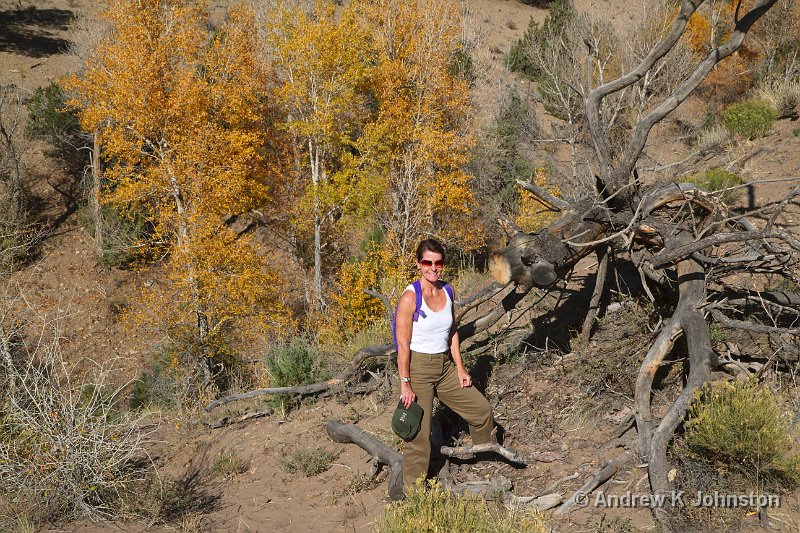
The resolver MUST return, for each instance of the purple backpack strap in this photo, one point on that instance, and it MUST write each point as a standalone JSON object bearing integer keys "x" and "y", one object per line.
{"x": 418, "y": 312}
{"x": 449, "y": 291}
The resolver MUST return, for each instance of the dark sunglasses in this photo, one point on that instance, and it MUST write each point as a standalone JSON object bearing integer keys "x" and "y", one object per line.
{"x": 427, "y": 262}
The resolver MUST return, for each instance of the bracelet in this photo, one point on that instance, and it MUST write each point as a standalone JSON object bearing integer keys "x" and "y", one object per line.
{"x": 405, "y": 380}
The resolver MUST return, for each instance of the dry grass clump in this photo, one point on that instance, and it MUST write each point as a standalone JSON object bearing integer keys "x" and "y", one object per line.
{"x": 712, "y": 138}
{"x": 228, "y": 466}
{"x": 783, "y": 95}
{"x": 310, "y": 462}
{"x": 429, "y": 508}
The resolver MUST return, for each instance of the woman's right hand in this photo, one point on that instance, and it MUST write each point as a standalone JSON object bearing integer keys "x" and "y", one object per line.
{"x": 407, "y": 394}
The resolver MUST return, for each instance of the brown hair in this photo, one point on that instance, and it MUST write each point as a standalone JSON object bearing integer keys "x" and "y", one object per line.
{"x": 429, "y": 245}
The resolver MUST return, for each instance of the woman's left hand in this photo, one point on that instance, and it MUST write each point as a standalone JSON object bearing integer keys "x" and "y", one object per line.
{"x": 464, "y": 378}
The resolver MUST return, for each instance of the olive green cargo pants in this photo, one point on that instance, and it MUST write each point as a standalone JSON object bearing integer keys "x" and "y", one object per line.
{"x": 436, "y": 375}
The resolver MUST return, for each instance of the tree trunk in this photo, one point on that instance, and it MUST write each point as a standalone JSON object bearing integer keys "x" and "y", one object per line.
{"x": 316, "y": 179}
{"x": 8, "y": 361}
{"x": 193, "y": 282}
{"x": 539, "y": 259}
{"x": 94, "y": 197}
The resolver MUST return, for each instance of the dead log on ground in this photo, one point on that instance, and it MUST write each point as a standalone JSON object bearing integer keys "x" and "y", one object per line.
{"x": 349, "y": 433}
{"x": 314, "y": 388}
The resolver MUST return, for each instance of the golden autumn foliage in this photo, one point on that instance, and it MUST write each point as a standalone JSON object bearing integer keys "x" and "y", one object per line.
{"x": 414, "y": 150}
{"x": 408, "y": 165}
{"x": 320, "y": 65}
{"x": 378, "y": 118}
{"x": 713, "y": 24}
{"x": 698, "y": 32}
{"x": 377, "y": 270}
{"x": 335, "y": 119}
{"x": 533, "y": 215}
{"x": 179, "y": 115}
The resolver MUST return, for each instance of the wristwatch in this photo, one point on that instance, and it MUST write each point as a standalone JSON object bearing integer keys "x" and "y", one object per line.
{"x": 405, "y": 380}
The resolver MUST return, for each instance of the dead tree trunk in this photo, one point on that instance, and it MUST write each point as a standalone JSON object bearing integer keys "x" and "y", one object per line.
{"x": 348, "y": 433}
{"x": 677, "y": 228}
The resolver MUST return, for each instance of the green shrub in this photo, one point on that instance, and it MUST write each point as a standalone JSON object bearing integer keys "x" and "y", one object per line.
{"x": 501, "y": 156}
{"x": 462, "y": 66}
{"x": 294, "y": 364}
{"x": 50, "y": 120}
{"x": 48, "y": 117}
{"x": 743, "y": 425}
{"x": 309, "y": 462}
{"x": 718, "y": 179}
{"x": 291, "y": 365}
{"x": 428, "y": 508}
{"x": 535, "y": 39}
{"x": 750, "y": 119}
{"x": 123, "y": 234}
{"x": 155, "y": 389}
{"x": 796, "y": 132}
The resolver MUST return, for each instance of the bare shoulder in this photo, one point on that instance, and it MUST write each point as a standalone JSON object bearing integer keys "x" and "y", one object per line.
{"x": 408, "y": 300}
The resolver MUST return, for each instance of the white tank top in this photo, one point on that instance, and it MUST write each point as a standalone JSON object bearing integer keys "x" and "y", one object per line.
{"x": 432, "y": 333}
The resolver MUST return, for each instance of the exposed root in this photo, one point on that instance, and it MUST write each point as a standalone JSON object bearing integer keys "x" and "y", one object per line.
{"x": 468, "y": 452}
{"x": 581, "y": 496}
{"x": 660, "y": 348}
{"x": 597, "y": 294}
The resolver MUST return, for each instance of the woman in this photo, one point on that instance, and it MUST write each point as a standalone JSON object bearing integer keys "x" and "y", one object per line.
{"x": 429, "y": 362}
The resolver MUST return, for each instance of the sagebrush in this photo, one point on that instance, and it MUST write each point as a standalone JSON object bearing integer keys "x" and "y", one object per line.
{"x": 718, "y": 180}
{"x": 743, "y": 425}
{"x": 750, "y": 119}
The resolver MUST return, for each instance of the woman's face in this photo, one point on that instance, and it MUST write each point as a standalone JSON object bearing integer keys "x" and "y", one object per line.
{"x": 430, "y": 266}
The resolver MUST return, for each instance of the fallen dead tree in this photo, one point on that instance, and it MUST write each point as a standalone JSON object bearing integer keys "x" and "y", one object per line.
{"x": 684, "y": 241}
{"x": 496, "y": 488}
{"x": 337, "y": 382}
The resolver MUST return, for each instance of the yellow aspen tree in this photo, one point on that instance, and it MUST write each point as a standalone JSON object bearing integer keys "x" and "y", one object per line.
{"x": 319, "y": 64}
{"x": 182, "y": 115}
{"x": 419, "y": 141}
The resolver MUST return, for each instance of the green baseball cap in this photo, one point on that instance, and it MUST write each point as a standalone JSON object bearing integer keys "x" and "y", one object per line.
{"x": 406, "y": 422}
